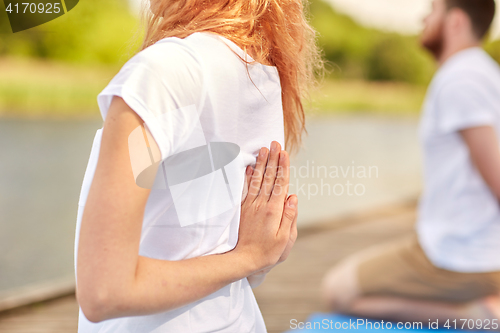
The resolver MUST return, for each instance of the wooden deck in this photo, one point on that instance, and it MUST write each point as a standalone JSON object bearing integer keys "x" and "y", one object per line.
{"x": 291, "y": 290}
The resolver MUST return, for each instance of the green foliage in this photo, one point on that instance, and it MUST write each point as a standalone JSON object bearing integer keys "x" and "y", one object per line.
{"x": 399, "y": 58}
{"x": 493, "y": 48}
{"x": 361, "y": 53}
{"x": 94, "y": 32}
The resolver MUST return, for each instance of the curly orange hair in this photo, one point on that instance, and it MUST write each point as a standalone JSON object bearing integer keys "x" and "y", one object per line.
{"x": 273, "y": 32}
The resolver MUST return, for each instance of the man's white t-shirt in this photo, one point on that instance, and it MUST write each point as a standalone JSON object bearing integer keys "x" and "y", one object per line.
{"x": 459, "y": 216}
{"x": 209, "y": 120}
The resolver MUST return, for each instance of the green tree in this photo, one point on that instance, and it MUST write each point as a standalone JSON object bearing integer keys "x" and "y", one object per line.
{"x": 358, "y": 52}
{"x": 94, "y": 32}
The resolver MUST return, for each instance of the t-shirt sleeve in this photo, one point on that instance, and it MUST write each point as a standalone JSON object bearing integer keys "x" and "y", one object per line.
{"x": 163, "y": 84}
{"x": 464, "y": 104}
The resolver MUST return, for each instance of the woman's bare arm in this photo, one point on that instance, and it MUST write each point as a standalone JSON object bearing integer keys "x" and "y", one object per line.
{"x": 114, "y": 281}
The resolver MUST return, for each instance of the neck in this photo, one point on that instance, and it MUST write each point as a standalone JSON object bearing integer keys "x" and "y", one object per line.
{"x": 450, "y": 49}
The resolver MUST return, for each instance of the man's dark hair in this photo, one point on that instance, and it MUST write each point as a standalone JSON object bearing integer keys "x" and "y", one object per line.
{"x": 481, "y": 13}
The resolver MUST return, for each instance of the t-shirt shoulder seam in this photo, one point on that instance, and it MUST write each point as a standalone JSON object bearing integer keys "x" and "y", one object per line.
{"x": 122, "y": 84}
{"x": 453, "y": 81}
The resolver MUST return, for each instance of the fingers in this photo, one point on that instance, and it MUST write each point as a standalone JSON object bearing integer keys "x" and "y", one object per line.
{"x": 271, "y": 171}
{"x": 293, "y": 228}
{"x": 280, "y": 189}
{"x": 248, "y": 179}
{"x": 269, "y": 180}
{"x": 258, "y": 173}
{"x": 289, "y": 214}
{"x": 292, "y": 237}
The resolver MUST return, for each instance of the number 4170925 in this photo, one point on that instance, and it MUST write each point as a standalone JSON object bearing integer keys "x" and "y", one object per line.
{"x": 479, "y": 324}
{"x": 33, "y": 8}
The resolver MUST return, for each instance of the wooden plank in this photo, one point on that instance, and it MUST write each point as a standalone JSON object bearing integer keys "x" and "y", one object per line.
{"x": 37, "y": 292}
{"x": 55, "y": 316}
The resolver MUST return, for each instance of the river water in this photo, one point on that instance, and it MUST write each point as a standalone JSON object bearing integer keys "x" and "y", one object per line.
{"x": 42, "y": 164}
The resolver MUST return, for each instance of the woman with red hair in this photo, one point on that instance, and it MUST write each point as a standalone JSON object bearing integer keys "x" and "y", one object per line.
{"x": 181, "y": 211}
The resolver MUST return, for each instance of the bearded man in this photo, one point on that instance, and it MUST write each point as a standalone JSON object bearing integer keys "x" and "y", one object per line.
{"x": 451, "y": 269}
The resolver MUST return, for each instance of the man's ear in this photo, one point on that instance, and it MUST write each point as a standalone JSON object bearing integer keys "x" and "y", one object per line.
{"x": 458, "y": 23}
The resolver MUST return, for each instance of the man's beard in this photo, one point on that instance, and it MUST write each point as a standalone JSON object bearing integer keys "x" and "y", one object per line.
{"x": 435, "y": 45}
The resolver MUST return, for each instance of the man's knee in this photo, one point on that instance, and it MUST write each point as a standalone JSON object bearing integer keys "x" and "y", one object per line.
{"x": 340, "y": 286}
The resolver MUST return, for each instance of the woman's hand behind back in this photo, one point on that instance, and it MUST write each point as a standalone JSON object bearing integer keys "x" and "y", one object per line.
{"x": 268, "y": 225}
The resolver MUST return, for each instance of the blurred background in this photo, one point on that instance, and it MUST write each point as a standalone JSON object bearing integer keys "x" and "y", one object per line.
{"x": 363, "y": 116}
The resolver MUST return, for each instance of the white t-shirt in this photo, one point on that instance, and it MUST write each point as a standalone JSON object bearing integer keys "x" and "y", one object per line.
{"x": 209, "y": 121}
{"x": 459, "y": 216}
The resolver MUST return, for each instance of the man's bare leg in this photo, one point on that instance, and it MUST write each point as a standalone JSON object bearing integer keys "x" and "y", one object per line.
{"x": 401, "y": 309}
{"x": 342, "y": 294}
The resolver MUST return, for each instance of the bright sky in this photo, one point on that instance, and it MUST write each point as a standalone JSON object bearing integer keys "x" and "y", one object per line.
{"x": 135, "y": 5}
{"x": 404, "y": 16}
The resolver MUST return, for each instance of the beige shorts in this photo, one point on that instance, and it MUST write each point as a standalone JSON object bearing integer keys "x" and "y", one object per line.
{"x": 402, "y": 269}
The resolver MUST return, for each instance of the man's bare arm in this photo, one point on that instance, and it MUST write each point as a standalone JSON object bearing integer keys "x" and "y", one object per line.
{"x": 485, "y": 153}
